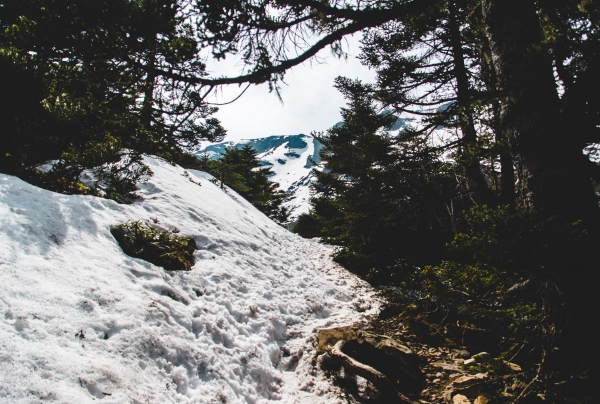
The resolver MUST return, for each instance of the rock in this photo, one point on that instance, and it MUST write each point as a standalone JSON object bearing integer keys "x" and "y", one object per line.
{"x": 481, "y": 400}
{"x": 388, "y": 356}
{"x": 373, "y": 354}
{"x": 329, "y": 336}
{"x": 459, "y": 353}
{"x": 469, "y": 386}
{"x": 481, "y": 357}
{"x": 465, "y": 381}
{"x": 439, "y": 374}
{"x": 382, "y": 383}
{"x": 446, "y": 366}
{"x": 513, "y": 366}
{"x": 460, "y": 399}
{"x": 471, "y": 379}
{"x": 469, "y": 361}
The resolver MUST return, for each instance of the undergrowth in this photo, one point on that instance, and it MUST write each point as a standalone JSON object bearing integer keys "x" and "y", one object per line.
{"x": 163, "y": 248}
{"x": 510, "y": 285}
{"x": 104, "y": 169}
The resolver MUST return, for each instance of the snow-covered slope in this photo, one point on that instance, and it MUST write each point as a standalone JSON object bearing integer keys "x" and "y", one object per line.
{"x": 290, "y": 158}
{"x": 81, "y": 321}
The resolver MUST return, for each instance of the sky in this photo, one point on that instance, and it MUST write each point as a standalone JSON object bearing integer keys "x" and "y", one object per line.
{"x": 310, "y": 102}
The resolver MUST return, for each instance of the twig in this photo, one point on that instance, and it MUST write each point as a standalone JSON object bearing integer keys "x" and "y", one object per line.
{"x": 535, "y": 378}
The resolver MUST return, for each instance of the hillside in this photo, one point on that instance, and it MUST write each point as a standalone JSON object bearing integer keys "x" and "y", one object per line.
{"x": 83, "y": 321}
{"x": 291, "y": 160}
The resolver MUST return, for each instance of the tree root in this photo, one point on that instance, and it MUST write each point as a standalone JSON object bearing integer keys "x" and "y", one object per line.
{"x": 379, "y": 380}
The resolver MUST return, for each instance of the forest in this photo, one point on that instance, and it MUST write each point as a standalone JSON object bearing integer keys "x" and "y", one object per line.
{"x": 489, "y": 232}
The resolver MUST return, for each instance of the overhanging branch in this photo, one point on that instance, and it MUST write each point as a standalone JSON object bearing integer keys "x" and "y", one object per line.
{"x": 362, "y": 19}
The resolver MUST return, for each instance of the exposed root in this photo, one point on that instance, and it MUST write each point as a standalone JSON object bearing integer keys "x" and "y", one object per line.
{"x": 379, "y": 380}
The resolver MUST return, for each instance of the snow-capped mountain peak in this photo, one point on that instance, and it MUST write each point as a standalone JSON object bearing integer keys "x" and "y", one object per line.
{"x": 290, "y": 158}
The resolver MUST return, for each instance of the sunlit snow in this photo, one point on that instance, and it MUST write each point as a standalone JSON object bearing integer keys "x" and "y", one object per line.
{"x": 289, "y": 158}
{"x": 81, "y": 321}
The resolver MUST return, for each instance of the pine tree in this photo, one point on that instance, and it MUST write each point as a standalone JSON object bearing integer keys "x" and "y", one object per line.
{"x": 378, "y": 197}
{"x": 240, "y": 169}
{"x": 89, "y": 86}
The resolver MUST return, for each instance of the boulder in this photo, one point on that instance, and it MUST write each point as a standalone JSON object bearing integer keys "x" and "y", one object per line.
{"x": 482, "y": 357}
{"x": 460, "y": 399}
{"x": 382, "y": 383}
{"x": 388, "y": 356}
{"x": 329, "y": 336}
{"x": 446, "y": 366}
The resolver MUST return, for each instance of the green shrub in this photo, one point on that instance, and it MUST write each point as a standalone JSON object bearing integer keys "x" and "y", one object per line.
{"x": 160, "y": 247}
{"x": 307, "y": 226}
{"x": 103, "y": 169}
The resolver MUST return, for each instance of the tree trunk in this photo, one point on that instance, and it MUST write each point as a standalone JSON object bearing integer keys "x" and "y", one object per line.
{"x": 507, "y": 171}
{"x": 476, "y": 182}
{"x": 147, "y": 112}
{"x": 551, "y": 171}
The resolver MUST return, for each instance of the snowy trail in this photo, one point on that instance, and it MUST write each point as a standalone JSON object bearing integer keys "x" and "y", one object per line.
{"x": 80, "y": 321}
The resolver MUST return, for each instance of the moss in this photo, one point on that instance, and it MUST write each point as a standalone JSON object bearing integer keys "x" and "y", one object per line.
{"x": 160, "y": 247}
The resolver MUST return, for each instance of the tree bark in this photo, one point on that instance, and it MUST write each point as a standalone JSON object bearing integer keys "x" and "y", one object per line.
{"x": 146, "y": 112}
{"x": 476, "y": 182}
{"x": 551, "y": 171}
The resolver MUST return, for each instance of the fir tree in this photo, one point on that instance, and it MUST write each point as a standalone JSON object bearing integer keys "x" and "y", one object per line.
{"x": 240, "y": 169}
{"x": 378, "y": 197}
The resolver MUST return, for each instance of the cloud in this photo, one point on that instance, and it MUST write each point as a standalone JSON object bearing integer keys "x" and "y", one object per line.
{"x": 310, "y": 102}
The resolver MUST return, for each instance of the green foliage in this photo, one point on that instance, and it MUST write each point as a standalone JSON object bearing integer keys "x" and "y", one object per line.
{"x": 379, "y": 198}
{"x": 117, "y": 180}
{"x": 192, "y": 161}
{"x": 159, "y": 247}
{"x": 77, "y": 86}
{"x": 485, "y": 363}
{"x": 226, "y": 172}
{"x": 508, "y": 282}
{"x": 114, "y": 172}
{"x": 307, "y": 226}
{"x": 472, "y": 281}
{"x": 241, "y": 170}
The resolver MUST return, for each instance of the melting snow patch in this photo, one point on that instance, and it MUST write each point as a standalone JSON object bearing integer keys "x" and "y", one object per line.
{"x": 82, "y": 321}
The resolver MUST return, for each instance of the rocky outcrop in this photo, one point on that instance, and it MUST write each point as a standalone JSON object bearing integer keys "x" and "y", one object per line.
{"x": 390, "y": 366}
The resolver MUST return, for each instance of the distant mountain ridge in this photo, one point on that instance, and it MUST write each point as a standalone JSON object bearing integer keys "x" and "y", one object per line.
{"x": 291, "y": 160}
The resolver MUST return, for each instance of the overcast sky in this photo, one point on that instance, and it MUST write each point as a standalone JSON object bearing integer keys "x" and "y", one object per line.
{"x": 310, "y": 103}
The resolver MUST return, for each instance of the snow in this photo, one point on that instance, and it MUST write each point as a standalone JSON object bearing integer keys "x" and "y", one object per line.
{"x": 81, "y": 321}
{"x": 291, "y": 166}
{"x": 293, "y": 174}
